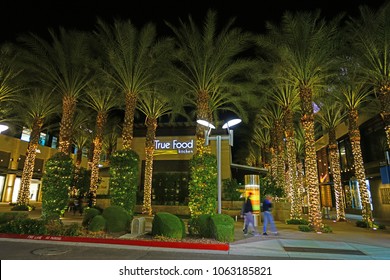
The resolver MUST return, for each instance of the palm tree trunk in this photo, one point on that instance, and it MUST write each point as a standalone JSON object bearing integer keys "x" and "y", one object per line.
{"x": 384, "y": 99}
{"x": 149, "y": 149}
{"x": 354, "y": 135}
{"x": 336, "y": 172}
{"x": 307, "y": 120}
{"x": 68, "y": 110}
{"x": 281, "y": 176}
{"x": 101, "y": 120}
{"x": 203, "y": 113}
{"x": 29, "y": 163}
{"x": 128, "y": 123}
{"x": 296, "y": 206}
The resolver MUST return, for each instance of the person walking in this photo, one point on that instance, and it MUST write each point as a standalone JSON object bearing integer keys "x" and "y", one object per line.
{"x": 267, "y": 215}
{"x": 247, "y": 212}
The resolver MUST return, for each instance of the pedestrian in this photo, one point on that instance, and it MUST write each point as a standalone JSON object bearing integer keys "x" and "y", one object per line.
{"x": 247, "y": 212}
{"x": 267, "y": 215}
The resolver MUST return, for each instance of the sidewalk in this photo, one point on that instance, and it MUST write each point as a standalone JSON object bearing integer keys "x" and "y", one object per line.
{"x": 347, "y": 241}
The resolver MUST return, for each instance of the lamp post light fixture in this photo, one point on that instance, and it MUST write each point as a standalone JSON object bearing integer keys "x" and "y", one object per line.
{"x": 3, "y": 127}
{"x": 218, "y": 139}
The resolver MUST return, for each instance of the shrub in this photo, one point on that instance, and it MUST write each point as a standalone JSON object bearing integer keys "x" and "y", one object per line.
{"x": 124, "y": 179}
{"x": 56, "y": 182}
{"x": 305, "y": 228}
{"x": 327, "y": 229}
{"x": 54, "y": 227}
{"x": 222, "y": 227}
{"x": 201, "y": 226}
{"x": 23, "y": 207}
{"x": 168, "y": 225}
{"x": 117, "y": 219}
{"x": 297, "y": 222}
{"x": 73, "y": 230}
{"x": 6, "y": 217}
{"x": 88, "y": 216}
{"x": 24, "y": 226}
{"x": 98, "y": 223}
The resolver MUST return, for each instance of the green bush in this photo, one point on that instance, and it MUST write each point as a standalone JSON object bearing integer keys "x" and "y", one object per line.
{"x": 117, "y": 219}
{"x": 88, "y": 216}
{"x": 168, "y": 225}
{"x": 222, "y": 227}
{"x": 22, "y": 207}
{"x": 73, "y": 229}
{"x": 327, "y": 229}
{"x": 6, "y": 217}
{"x": 297, "y": 222}
{"x": 98, "y": 223}
{"x": 305, "y": 228}
{"x": 54, "y": 227}
{"x": 25, "y": 226}
{"x": 200, "y": 225}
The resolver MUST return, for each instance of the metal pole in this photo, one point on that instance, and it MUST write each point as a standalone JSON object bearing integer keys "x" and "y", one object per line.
{"x": 219, "y": 138}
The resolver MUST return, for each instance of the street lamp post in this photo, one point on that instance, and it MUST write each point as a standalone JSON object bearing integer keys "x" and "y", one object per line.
{"x": 218, "y": 139}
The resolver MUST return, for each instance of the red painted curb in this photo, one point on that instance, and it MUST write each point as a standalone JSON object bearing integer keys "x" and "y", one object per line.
{"x": 146, "y": 243}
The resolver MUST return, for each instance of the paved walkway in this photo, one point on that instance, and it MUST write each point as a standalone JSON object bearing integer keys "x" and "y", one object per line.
{"x": 346, "y": 242}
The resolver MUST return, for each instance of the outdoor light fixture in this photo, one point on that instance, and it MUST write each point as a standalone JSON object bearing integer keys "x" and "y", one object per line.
{"x": 218, "y": 139}
{"x": 3, "y": 127}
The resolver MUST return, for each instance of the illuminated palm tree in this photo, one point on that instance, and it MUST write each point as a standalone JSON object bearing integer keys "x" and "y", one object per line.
{"x": 272, "y": 116}
{"x": 102, "y": 100}
{"x": 330, "y": 116}
{"x": 81, "y": 134}
{"x": 36, "y": 107}
{"x": 207, "y": 63}
{"x": 153, "y": 106}
{"x": 61, "y": 64}
{"x": 131, "y": 58}
{"x": 9, "y": 85}
{"x": 353, "y": 95}
{"x": 370, "y": 42}
{"x": 287, "y": 98}
{"x": 306, "y": 46}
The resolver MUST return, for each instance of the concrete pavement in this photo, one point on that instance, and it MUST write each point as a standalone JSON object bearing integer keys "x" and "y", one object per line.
{"x": 346, "y": 242}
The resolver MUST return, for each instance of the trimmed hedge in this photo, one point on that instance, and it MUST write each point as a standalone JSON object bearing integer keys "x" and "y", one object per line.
{"x": 117, "y": 219}
{"x": 168, "y": 225}
{"x": 200, "y": 225}
{"x": 89, "y": 214}
{"x": 222, "y": 227}
{"x": 98, "y": 223}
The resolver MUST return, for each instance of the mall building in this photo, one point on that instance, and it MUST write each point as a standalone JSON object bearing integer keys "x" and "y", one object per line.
{"x": 175, "y": 146}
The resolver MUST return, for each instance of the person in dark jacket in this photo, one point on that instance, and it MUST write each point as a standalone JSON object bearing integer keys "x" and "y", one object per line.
{"x": 267, "y": 215}
{"x": 247, "y": 212}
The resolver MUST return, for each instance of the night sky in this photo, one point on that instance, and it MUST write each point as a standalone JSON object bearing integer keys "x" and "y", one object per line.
{"x": 18, "y": 17}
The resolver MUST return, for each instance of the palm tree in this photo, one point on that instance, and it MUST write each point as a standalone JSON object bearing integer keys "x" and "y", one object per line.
{"x": 306, "y": 45}
{"x": 153, "y": 106}
{"x": 286, "y": 96}
{"x": 9, "y": 86}
{"x": 81, "y": 134}
{"x": 102, "y": 100}
{"x": 272, "y": 117}
{"x": 353, "y": 95}
{"x": 207, "y": 63}
{"x": 61, "y": 64}
{"x": 370, "y": 42}
{"x": 330, "y": 117}
{"x": 36, "y": 110}
{"x": 131, "y": 58}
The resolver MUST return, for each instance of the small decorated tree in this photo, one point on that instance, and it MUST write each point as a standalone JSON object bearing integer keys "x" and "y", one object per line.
{"x": 123, "y": 179}
{"x": 203, "y": 185}
{"x": 56, "y": 182}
